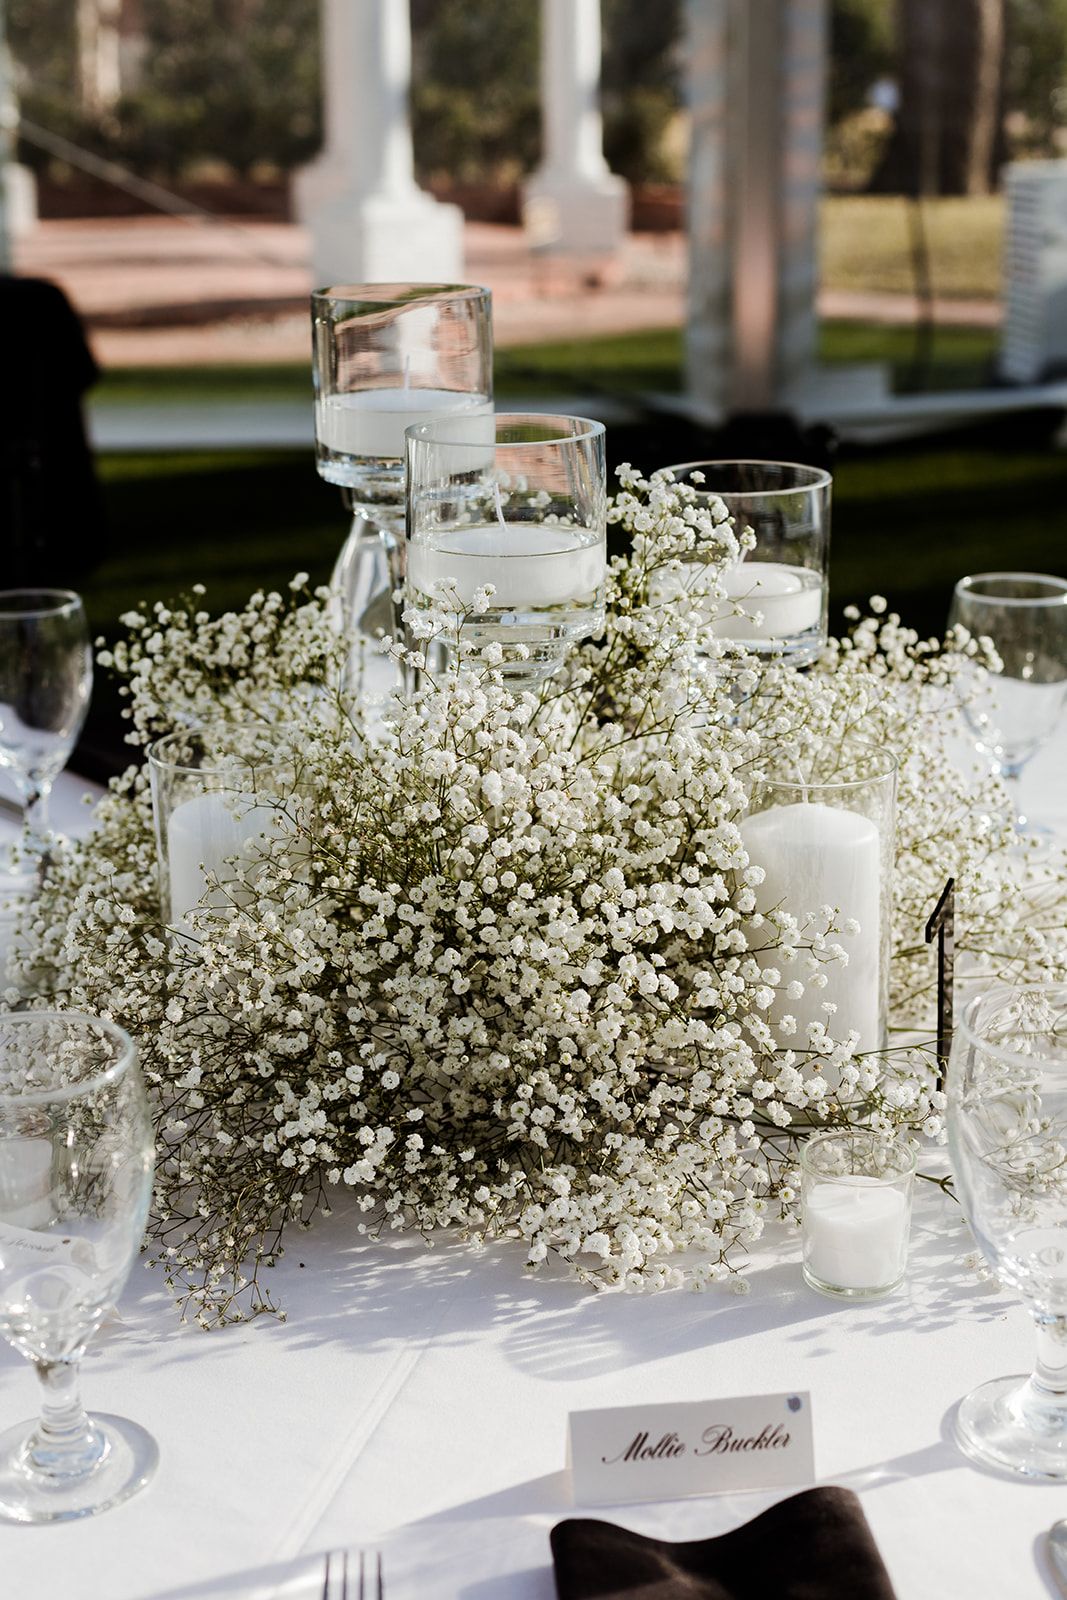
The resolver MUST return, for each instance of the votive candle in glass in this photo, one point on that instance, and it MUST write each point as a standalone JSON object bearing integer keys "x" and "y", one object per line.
{"x": 856, "y": 1212}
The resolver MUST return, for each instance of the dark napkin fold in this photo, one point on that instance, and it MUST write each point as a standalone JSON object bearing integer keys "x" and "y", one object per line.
{"x": 814, "y": 1546}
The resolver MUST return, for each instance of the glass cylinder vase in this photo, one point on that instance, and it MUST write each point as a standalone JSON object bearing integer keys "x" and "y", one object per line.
{"x": 386, "y": 355}
{"x": 509, "y": 537}
{"x": 776, "y": 595}
{"x": 222, "y": 796}
{"x": 822, "y": 826}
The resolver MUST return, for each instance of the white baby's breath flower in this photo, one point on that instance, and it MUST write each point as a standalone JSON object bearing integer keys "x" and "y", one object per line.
{"x": 500, "y": 967}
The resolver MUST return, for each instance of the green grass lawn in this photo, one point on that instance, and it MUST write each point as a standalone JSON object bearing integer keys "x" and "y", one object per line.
{"x": 909, "y": 521}
{"x": 866, "y": 244}
{"x": 620, "y": 364}
{"x": 231, "y": 521}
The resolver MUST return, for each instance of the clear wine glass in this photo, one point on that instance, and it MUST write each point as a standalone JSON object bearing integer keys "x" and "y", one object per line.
{"x": 75, "y": 1181}
{"x": 46, "y": 676}
{"x": 386, "y": 355}
{"x": 523, "y": 510}
{"x": 1007, "y": 1124}
{"x": 1024, "y": 615}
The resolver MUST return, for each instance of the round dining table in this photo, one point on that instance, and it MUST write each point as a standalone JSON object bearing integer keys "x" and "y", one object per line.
{"x": 414, "y": 1401}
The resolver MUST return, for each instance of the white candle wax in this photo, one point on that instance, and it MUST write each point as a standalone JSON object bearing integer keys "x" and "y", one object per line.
{"x": 203, "y": 833}
{"x": 26, "y": 1182}
{"x": 529, "y": 564}
{"x": 788, "y": 600}
{"x": 855, "y": 1233}
{"x": 371, "y": 422}
{"x": 815, "y": 855}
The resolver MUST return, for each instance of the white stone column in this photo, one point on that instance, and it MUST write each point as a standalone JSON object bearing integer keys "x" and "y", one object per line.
{"x": 757, "y": 74}
{"x": 98, "y": 30}
{"x": 18, "y": 187}
{"x": 573, "y": 202}
{"x": 369, "y": 222}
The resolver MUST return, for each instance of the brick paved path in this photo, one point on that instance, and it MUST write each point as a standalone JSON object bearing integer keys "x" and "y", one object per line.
{"x": 155, "y": 290}
{"x": 160, "y": 291}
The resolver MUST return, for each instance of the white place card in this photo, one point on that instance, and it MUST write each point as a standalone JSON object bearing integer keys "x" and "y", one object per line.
{"x": 26, "y": 1250}
{"x": 666, "y": 1452}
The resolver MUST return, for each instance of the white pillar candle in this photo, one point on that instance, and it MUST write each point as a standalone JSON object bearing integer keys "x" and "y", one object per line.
{"x": 371, "y": 422}
{"x": 203, "y": 833}
{"x": 26, "y": 1182}
{"x": 855, "y": 1233}
{"x": 814, "y": 855}
{"x": 529, "y": 564}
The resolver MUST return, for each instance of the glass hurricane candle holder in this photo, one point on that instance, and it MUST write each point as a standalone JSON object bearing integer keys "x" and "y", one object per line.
{"x": 220, "y": 797}
{"x": 386, "y": 355}
{"x": 776, "y": 595}
{"x": 855, "y": 1188}
{"x": 823, "y": 826}
{"x": 1007, "y": 1129}
{"x": 525, "y": 514}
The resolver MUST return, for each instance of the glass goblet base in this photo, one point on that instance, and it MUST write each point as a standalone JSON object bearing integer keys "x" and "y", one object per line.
{"x": 127, "y": 1462}
{"x": 1007, "y": 1424}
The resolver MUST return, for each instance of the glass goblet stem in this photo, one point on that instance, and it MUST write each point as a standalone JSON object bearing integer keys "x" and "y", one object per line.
{"x": 1044, "y": 1397}
{"x": 1011, "y": 772}
{"x": 37, "y": 816}
{"x": 64, "y": 1444}
{"x": 366, "y": 577}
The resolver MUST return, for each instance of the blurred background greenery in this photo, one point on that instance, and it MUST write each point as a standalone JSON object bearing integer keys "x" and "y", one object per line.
{"x": 222, "y": 102}
{"x": 230, "y": 86}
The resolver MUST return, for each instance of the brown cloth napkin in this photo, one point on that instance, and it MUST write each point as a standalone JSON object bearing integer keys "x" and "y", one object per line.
{"x": 813, "y": 1546}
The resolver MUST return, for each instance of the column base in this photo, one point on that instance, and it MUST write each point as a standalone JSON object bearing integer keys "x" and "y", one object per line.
{"x": 577, "y": 215}
{"x": 379, "y": 238}
{"x": 19, "y": 198}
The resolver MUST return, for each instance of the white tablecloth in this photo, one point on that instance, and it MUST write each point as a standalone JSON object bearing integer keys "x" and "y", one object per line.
{"x": 417, "y": 1398}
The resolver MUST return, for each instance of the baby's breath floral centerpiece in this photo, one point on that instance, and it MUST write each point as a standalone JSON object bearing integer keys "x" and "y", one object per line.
{"x": 497, "y": 970}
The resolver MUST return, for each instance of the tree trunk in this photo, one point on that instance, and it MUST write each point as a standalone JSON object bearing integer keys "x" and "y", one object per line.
{"x": 949, "y": 66}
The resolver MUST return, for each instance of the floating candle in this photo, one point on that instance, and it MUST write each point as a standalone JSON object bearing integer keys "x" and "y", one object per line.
{"x": 530, "y": 565}
{"x": 370, "y": 423}
{"x": 789, "y": 602}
